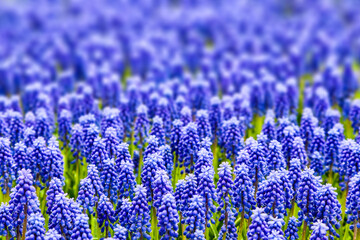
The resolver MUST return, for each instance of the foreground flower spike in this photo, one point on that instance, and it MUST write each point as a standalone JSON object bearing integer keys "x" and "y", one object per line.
{"x": 318, "y": 141}
{"x": 276, "y": 235}
{"x": 55, "y": 188}
{"x": 321, "y": 103}
{"x": 15, "y": 126}
{"x": 93, "y": 176}
{"x": 106, "y": 214}
{"x": 287, "y": 143}
{"x": 271, "y": 196}
{"x": 228, "y": 230}
{"x": 276, "y": 225}
{"x": 203, "y": 124}
{"x": 160, "y": 187}
{"x": 158, "y": 131}
{"x": 351, "y": 163}
{"x": 141, "y": 127}
{"x": 185, "y": 115}
{"x": 52, "y": 234}
{"x": 126, "y": 180}
{"x": 306, "y": 197}
{"x": 332, "y": 146}
{"x": 76, "y": 141}
{"x": 259, "y": 228}
{"x": 215, "y": 117}
{"x": 86, "y": 196}
{"x": 122, "y": 212}
{"x": 168, "y": 158}
{"x": 189, "y": 145}
{"x": 81, "y": 228}
{"x": 319, "y": 231}
{"x": 175, "y": 138}
{"x": 243, "y": 192}
{"x": 109, "y": 179}
{"x": 120, "y": 233}
{"x": 332, "y": 117}
{"x": 179, "y": 193}
{"x": 7, "y": 166}
{"x": 61, "y": 217}
{"x": 6, "y": 222}
{"x": 206, "y": 189}
{"x": 122, "y": 155}
{"x": 64, "y": 127}
{"x": 298, "y": 151}
{"x": 152, "y": 147}
{"x": 204, "y": 159}
{"x": 352, "y": 203}
{"x": 111, "y": 118}
{"x": 354, "y": 114}
{"x": 232, "y": 139}
{"x": 257, "y": 163}
{"x": 89, "y": 136}
{"x": 282, "y": 105}
{"x": 199, "y": 235}
{"x": 35, "y": 227}
{"x": 140, "y": 215}
{"x": 168, "y": 217}
{"x": 268, "y": 128}
{"x": 151, "y": 166}
{"x": 24, "y": 201}
{"x": 20, "y": 156}
{"x": 317, "y": 163}
{"x": 43, "y": 127}
{"x": 329, "y": 209}
{"x": 194, "y": 216}
{"x": 112, "y": 141}
{"x": 307, "y": 127}
{"x": 275, "y": 158}
{"x": 291, "y": 231}
{"x": 98, "y": 153}
{"x": 54, "y": 165}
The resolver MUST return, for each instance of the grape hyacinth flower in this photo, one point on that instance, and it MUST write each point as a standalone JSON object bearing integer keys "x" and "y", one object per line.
{"x": 291, "y": 231}
{"x": 163, "y": 111}
{"x": 318, "y": 141}
{"x": 111, "y": 118}
{"x": 306, "y": 197}
{"x": 257, "y": 163}
{"x": 6, "y": 222}
{"x": 321, "y": 103}
{"x": 179, "y": 193}
{"x": 307, "y": 126}
{"x": 120, "y": 233}
{"x": 109, "y": 179}
{"x": 168, "y": 158}
{"x": 268, "y": 128}
{"x": 98, "y": 153}
{"x": 354, "y": 114}
{"x": 55, "y": 188}
{"x": 194, "y": 216}
{"x": 158, "y": 131}
{"x": 160, "y": 187}
{"x": 276, "y": 225}
{"x": 43, "y": 126}
{"x": 105, "y": 214}
{"x": 168, "y": 217}
{"x": 203, "y": 124}
{"x": 141, "y": 127}
{"x": 232, "y": 138}
{"x": 122, "y": 155}
{"x": 185, "y": 115}
{"x": 275, "y": 158}
{"x": 89, "y": 135}
{"x": 190, "y": 189}
{"x": 295, "y": 173}
{"x": 140, "y": 215}
{"x": 76, "y": 142}
{"x": 112, "y": 141}
{"x": 319, "y": 231}
{"x": 64, "y": 127}
{"x": 352, "y": 204}
{"x": 52, "y": 234}
{"x": 20, "y": 156}
{"x": 81, "y": 228}
{"x": 54, "y": 165}
{"x": 189, "y": 145}
{"x": 287, "y": 143}
{"x": 332, "y": 145}
{"x": 215, "y": 116}
{"x": 122, "y": 212}
{"x": 203, "y": 159}
{"x": 35, "y": 227}
{"x": 7, "y": 166}
{"x": 15, "y": 126}
{"x": 317, "y": 163}
{"x": 24, "y": 201}
{"x": 86, "y": 196}
{"x": 332, "y": 117}
{"x": 298, "y": 151}
{"x": 151, "y": 166}
{"x": 175, "y": 138}
{"x": 152, "y": 147}
{"x": 94, "y": 177}
{"x": 206, "y": 190}
{"x": 29, "y": 137}
{"x": 329, "y": 209}
{"x": 259, "y": 228}
{"x": 126, "y": 180}
{"x": 244, "y": 199}
{"x": 282, "y": 105}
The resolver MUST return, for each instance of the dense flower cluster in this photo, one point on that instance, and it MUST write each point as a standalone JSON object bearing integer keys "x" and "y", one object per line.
{"x": 200, "y": 119}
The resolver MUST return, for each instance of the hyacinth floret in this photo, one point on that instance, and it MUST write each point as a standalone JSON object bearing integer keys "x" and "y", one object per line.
{"x": 35, "y": 228}
{"x": 168, "y": 217}
{"x": 105, "y": 214}
{"x": 206, "y": 189}
{"x": 7, "y": 166}
{"x": 291, "y": 231}
{"x": 275, "y": 158}
{"x": 259, "y": 228}
{"x": 140, "y": 214}
{"x": 189, "y": 145}
{"x": 55, "y": 188}
{"x": 81, "y": 228}
{"x": 194, "y": 216}
{"x": 160, "y": 187}
{"x": 319, "y": 231}
{"x": 86, "y": 196}
{"x": 126, "y": 180}
{"x": 203, "y": 124}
